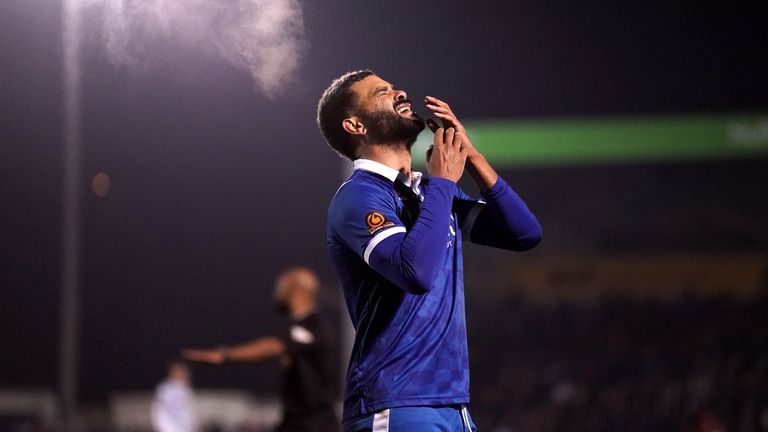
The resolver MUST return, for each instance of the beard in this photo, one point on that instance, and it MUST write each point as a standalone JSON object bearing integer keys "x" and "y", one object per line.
{"x": 392, "y": 130}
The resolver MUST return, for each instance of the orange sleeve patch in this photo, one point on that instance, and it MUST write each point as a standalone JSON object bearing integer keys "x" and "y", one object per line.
{"x": 376, "y": 221}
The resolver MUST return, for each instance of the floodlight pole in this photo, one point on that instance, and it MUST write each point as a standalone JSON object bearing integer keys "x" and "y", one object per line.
{"x": 70, "y": 251}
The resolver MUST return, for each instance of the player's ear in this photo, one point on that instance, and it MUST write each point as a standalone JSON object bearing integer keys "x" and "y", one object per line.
{"x": 354, "y": 126}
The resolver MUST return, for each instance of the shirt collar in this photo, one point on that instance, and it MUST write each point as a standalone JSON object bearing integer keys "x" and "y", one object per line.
{"x": 389, "y": 172}
{"x": 377, "y": 168}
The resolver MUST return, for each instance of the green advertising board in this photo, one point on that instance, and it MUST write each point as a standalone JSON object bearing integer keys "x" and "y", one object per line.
{"x": 589, "y": 140}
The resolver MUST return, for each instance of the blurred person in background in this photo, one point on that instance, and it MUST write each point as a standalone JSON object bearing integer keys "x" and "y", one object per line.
{"x": 305, "y": 355}
{"x": 173, "y": 405}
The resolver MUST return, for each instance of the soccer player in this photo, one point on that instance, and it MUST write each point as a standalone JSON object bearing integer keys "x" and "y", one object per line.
{"x": 305, "y": 354}
{"x": 394, "y": 236}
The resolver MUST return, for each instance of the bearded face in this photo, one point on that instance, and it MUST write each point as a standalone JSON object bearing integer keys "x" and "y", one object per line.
{"x": 392, "y": 128}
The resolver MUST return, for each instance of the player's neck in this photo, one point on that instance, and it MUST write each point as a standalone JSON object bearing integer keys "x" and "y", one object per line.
{"x": 398, "y": 157}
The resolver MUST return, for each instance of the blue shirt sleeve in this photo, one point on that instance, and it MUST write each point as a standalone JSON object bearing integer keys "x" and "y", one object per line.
{"x": 363, "y": 216}
{"x": 410, "y": 259}
{"x": 502, "y": 220}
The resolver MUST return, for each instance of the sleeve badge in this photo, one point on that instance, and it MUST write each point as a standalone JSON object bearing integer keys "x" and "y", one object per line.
{"x": 376, "y": 221}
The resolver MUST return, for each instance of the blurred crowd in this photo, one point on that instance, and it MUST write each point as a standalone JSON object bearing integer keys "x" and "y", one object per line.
{"x": 694, "y": 364}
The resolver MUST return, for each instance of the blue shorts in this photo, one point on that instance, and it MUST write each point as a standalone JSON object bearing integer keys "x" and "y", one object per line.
{"x": 453, "y": 418}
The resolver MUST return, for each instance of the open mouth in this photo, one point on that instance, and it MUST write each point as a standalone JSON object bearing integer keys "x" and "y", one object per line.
{"x": 403, "y": 108}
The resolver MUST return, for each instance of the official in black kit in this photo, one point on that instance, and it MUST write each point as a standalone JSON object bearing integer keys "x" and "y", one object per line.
{"x": 305, "y": 353}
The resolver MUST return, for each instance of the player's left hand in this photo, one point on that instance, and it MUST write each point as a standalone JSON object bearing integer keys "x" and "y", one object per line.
{"x": 444, "y": 112}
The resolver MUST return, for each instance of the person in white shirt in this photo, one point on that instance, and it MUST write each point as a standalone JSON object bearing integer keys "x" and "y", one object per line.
{"x": 173, "y": 406}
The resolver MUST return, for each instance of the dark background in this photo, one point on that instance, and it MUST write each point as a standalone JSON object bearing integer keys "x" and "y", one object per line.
{"x": 215, "y": 187}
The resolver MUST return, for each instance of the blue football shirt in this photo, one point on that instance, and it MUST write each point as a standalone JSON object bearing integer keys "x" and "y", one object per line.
{"x": 409, "y": 349}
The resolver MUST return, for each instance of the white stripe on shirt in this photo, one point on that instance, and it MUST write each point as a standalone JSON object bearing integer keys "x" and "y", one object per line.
{"x": 378, "y": 238}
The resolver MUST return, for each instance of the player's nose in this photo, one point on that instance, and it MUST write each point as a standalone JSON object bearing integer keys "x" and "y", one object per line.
{"x": 401, "y": 95}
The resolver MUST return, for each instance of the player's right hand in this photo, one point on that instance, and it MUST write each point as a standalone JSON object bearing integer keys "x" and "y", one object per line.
{"x": 204, "y": 356}
{"x": 447, "y": 156}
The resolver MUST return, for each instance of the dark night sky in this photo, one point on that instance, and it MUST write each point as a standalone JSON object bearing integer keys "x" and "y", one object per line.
{"x": 215, "y": 187}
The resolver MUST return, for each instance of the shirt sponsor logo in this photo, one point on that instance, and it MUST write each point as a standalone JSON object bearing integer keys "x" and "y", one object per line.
{"x": 376, "y": 221}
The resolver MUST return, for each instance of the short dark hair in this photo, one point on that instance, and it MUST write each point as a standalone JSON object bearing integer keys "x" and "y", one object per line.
{"x": 334, "y": 106}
